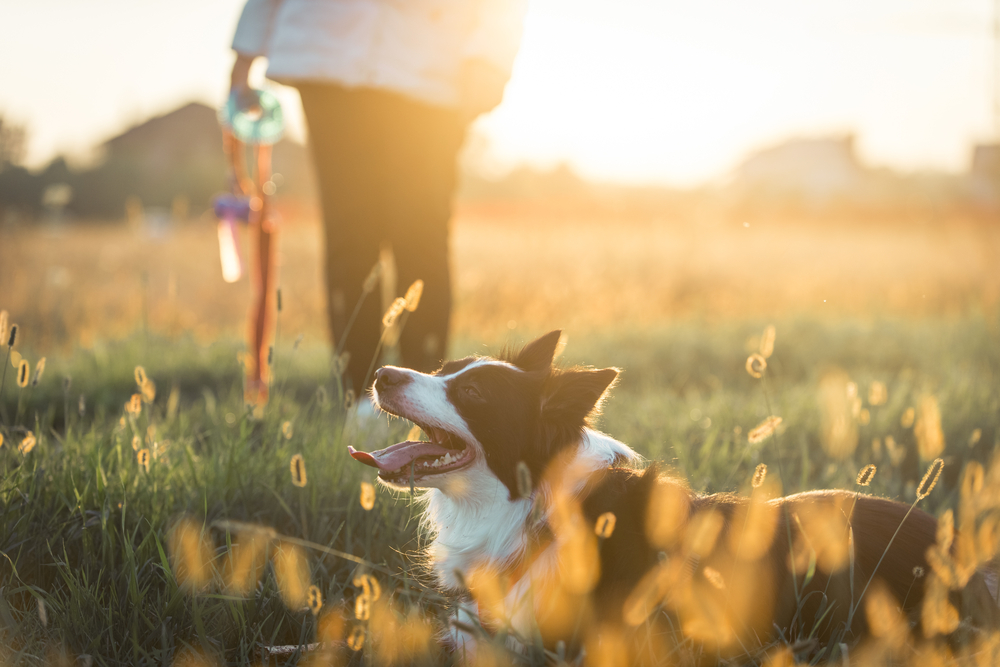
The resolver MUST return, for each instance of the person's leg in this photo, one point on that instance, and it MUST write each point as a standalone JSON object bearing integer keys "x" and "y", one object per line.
{"x": 423, "y": 165}
{"x": 346, "y": 139}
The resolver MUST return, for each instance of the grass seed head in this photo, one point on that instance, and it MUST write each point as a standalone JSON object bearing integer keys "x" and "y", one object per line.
{"x": 839, "y": 408}
{"x": 896, "y": 452}
{"x": 356, "y": 640}
{"x": 291, "y": 569}
{"x": 339, "y": 365}
{"x": 362, "y": 607}
{"x": 39, "y": 370}
{"x": 877, "y": 393}
{"x": 298, "y": 468}
{"x": 930, "y": 479}
{"x": 946, "y": 531}
{"x": 287, "y": 430}
{"x": 975, "y": 437}
{"x": 315, "y": 600}
{"x": 884, "y": 617}
{"x": 413, "y": 294}
{"x": 906, "y": 420}
{"x": 372, "y": 279}
{"x": 394, "y": 311}
{"x": 605, "y": 525}
{"x": 523, "y": 480}
{"x": 140, "y": 376}
{"x": 918, "y": 572}
{"x": 349, "y": 399}
{"x": 367, "y": 495}
{"x": 369, "y": 586}
{"x": 330, "y": 628}
{"x": 713, "y": 577}
{"x": 767, "y": 341}
{"x": 927, "y": 429}
{"x": 12, "y": 336}
{"x": 759, "y": 475}
{"x": 23, "y": 373}
{"x": 173, "y": 402}
{"x": 27, "y": 443}
{"x": 759, "y": 519}
{"x": 938, "y": 615}
{"x": 135, "y": 443}
{"x": 756, "y": 365}
{"x": 148, "y": 390}
{"x": 81, "y": 405}
{"x": 866, "y": 475}
{"x": 703, "y": 532}
{"x": 763, "y": 429}
{"x": 134, "y": 404}
{"x": 143, "y": 457}
{"x": 4, "y": 318}
{"x": 247, "y": 559}
{"x": 278, "y": 300}
{"x": 1, "y": 440}
{"x": 191, "y": 554}
{"x": 669, "y": 506}
{"x": 972, "y": 482}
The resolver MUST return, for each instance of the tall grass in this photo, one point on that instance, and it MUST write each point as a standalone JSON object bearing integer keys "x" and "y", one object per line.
{"x": 85, "y": 528}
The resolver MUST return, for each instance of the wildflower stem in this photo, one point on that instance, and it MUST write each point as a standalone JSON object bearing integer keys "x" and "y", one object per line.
{"x": 3, "y": 382}
{"x": 378, "y": 349}
{"x": 65, "y": 408}
{"x": 777, "y": 441}
{"x": 854, "y": 608}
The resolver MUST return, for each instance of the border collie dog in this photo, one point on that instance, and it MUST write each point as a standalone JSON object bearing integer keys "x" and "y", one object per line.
{"x": 552, "y": 531}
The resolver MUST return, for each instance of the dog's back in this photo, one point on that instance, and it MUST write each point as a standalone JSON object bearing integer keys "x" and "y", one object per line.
{"x": 827, "y": 552}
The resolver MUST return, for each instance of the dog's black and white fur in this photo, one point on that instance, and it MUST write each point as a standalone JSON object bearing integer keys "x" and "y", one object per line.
{"x": 485, "y": 415}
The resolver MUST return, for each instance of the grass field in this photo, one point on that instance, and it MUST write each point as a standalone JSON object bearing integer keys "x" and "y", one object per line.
{"x": 87, "y": 531}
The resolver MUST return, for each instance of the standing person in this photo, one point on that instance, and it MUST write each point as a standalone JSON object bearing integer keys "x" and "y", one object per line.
{"x": 389, "y": 88}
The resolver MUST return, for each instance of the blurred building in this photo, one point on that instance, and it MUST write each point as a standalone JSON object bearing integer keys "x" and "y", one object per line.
{"x": 172, "y": 162}
{"x": 983, "y": 179}
{"x": 816, "y": 170}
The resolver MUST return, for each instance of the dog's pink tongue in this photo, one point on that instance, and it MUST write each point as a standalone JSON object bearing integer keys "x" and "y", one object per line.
{"x": 397, "y": 456}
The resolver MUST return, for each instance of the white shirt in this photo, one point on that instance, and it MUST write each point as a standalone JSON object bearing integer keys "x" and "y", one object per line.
{"x": 413, "y": 47}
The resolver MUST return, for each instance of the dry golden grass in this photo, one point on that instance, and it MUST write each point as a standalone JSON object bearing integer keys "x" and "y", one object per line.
{"x": 74, "y": 284}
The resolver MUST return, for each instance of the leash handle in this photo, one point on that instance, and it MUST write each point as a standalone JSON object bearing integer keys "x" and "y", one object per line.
{"x": 252, "y": 117}
{"x": 249, "y": 202}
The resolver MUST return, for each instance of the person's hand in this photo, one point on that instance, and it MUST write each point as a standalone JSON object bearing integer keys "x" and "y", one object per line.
{"x": 239, "y": 83}
{"x": 480, "y": 88}
{"x": 240, "y": 77}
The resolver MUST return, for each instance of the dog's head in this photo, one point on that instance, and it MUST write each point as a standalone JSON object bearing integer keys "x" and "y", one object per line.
{"x": 485, "y": 415}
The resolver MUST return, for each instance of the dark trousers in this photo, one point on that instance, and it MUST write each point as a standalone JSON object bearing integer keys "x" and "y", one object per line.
{"x": 386, "y": 168}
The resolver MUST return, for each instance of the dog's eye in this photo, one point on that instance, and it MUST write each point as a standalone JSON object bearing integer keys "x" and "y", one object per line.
{"x": 472, "y": 392}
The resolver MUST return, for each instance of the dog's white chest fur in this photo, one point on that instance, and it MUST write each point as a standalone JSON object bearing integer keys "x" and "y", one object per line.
{"x": 476, "y": 524}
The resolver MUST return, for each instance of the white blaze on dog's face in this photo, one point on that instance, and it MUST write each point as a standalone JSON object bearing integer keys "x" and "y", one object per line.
{"x": 483, "y": 416}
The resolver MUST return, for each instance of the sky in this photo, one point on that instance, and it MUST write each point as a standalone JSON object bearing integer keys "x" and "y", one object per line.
{"x": 637, "y": 91}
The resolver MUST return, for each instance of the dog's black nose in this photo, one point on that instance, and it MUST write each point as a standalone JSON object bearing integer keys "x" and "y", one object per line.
{"x": 388, "y": 377}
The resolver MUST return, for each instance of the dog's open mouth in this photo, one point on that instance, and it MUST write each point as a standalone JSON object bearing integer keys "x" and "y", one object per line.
{"x": 444, "y": 452}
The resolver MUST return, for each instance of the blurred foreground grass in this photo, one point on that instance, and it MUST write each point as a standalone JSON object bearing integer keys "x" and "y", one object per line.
{"x": 86, "y": 529}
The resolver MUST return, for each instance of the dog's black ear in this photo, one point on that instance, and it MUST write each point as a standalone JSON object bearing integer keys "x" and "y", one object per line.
{"x": 538, "y": 354}
{"x": 569, "y": 398}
